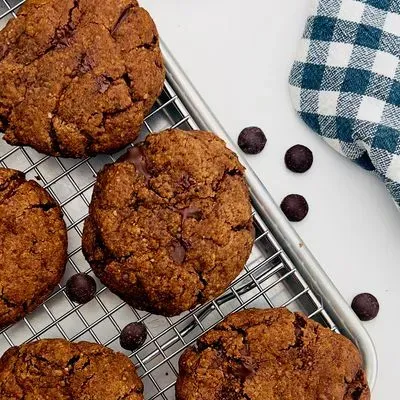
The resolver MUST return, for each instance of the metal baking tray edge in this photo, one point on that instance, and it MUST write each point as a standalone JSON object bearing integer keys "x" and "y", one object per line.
{"x": 306, "y": 263}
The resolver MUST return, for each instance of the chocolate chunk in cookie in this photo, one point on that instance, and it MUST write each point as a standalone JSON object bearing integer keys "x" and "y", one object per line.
{"x": 78, "y": 77}
{"x": 170, "y": 224}
{"x": 33, "y": 245}
{"x": 60, "y": 370}
{"x": 271, "y": 354}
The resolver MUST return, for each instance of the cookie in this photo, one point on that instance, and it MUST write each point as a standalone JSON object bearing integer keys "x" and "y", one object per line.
{"x": 77, "y": 77}
{"x": 170, "y": 224}
{"x": 60, "y": 370}
{"x": 271, "y": 355}
{"x": 33, "y": 245}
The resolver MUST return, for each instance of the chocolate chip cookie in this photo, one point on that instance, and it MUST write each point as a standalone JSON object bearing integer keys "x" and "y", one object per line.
{"x": 59, "y": 370}
{"x": 271, "y": 355}
{"x": 77, "y": 77}
{"x": 170, "y": 224}
{"x": 33, "y": 245}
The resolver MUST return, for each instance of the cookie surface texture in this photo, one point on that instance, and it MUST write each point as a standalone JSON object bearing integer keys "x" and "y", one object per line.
{"x": 33, "y": 245}
{"x": 59, "y": 370}
{"x": 271, "y": 355}
{"x": 170, "y": 224}
{"x": 78, "y": 77}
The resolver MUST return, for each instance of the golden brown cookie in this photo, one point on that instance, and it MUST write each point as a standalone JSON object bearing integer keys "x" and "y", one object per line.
{"x": 77, "y": 77}
{"x": 33, "y": 245}
{"x": 59, "y": 370}
{"x": 170, "y": 224}
{"x": 271, "y": 355}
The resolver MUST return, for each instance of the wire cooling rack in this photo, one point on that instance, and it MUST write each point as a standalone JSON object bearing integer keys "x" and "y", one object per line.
{"x": 269, "y": 279}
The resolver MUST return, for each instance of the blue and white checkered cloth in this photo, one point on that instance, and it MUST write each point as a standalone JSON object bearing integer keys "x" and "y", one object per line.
{"x": 345, "y": 82}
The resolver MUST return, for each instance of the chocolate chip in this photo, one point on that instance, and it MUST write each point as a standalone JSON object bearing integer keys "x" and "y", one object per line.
{"x": 245, "y": 367}
{"x": 252, "y": 140}
{"x": 299, "y": 158}
{"x": 243, "y": 370}
{"x": 187, "y": 181}
{"x": 133, "y": 336}
{"x": 62, "y": 36}
{"x": 81, "y": 288}
{"x": 121, "y": 19}
{"x": 295, "y": 207}
{"x": 86, "y": 64}
{"x": 366, "y": 306}
{"x": 191, "y": 212}
{"x": 136, "y": 156}
{"x": 178, "y": 252}
{"x": 103, "y": 83}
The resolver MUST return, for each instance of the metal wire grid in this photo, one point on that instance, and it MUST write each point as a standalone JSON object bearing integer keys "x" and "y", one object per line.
{"x": 269, "y": 279}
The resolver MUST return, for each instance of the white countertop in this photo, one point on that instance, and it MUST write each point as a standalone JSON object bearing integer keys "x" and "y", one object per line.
{"x": 238, "y": 55}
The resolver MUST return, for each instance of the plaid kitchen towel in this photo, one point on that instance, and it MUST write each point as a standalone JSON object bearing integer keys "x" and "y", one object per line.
{"x": 345, "y": 82}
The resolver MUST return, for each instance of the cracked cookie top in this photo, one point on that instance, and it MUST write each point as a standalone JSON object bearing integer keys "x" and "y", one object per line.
{"x": 77, "y": 77}
{"x": 33, "y": 245}
{"x": 170, "y": 224}
{"x": 59, "y": 370}
{"x": 271, "y": 354}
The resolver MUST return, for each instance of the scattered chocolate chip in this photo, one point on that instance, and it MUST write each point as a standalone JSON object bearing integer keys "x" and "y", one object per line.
{"x": 191, "y": 212}
{"x": 252, "y": 140}
{"x": 295, "y": 207}
{"x": 133, "y": 336}
{"x": 81, "y": 288}
{"x": 136, "y": 156}
{"x": 366, "y": 306}
{"x": 178, "y": 252}
{"x": 299, "y": 158}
